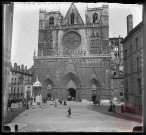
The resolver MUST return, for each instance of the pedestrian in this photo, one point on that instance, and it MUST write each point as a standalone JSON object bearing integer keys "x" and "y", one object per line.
{"x": 64, "y": 102}
{"x": 9, "y": 104}
{"x": 122, "y": 109}
{"x": 111, "y": 102}
{"x": 69, "y": 112}
{"x": 23, "y": 103}
{"x": 113, "y": 108}
{"x": 55, "y": 103}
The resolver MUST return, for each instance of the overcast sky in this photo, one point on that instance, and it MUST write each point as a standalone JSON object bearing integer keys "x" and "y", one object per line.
{"x": 26, "y": 24}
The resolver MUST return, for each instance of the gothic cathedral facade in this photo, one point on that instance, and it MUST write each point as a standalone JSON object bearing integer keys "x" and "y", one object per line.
{"x": 73, "y": 57}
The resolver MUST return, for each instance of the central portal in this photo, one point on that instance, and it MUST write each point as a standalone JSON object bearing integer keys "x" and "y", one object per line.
{"x": 71, "y": 94}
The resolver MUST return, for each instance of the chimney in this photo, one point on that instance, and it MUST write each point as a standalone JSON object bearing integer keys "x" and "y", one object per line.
{"x": 129, "y": 23}
{"x": 22, "y": 67}
{"x": 15, "y": 66}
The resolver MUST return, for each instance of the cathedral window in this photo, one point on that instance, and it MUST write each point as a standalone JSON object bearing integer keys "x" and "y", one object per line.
{"x": 51, "y": 20}
{"x": 95, "y": 40}
{"x": 72, "y": 17}
{"x": 116, "y": 46}
{"x": 95, "y": 17}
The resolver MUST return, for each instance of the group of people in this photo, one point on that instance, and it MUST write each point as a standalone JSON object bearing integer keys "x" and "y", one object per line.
{"x": 10, "y": 101}
{"x": 61, "y": 101}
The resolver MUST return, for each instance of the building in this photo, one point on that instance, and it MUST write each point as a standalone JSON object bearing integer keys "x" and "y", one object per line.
{"x": 6, "y": 52}
{"x": 20, "y": 82}
{"x": 73, "y": 56}
{"x": 133, "y": 47}
{"x": 117, "y": 74}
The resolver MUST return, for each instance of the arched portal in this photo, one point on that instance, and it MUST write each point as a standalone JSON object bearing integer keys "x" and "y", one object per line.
{"x": 95, "y": 89}
{"x": 71, "y": 90}
{"x": 48, "y": 89}
{"x": 70, "y": 84}
{"x": 94, "y": 92}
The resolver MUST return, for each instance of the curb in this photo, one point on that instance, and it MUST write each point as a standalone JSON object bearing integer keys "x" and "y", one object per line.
{"x": 130, "y": 116}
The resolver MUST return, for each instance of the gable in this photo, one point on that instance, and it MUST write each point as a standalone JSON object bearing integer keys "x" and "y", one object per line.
{"x": 72, "y": 11}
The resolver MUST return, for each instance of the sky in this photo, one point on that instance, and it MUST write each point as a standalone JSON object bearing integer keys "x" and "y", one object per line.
{"x": 26, "y": 24}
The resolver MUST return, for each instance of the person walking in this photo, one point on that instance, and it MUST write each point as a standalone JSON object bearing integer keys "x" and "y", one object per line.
{"x": 64, "y": 102}
{"x": 9, "y": 104}
{"x": 69, "y": 112}
{"x": 114, "y": 108}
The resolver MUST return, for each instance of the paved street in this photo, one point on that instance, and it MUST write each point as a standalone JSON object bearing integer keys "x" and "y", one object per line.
{"x": 17, "y": 109}
{"x": 86, "y": 117}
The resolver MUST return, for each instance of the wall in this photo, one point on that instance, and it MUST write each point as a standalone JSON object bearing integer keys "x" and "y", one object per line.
{"x": 7, "y": 40}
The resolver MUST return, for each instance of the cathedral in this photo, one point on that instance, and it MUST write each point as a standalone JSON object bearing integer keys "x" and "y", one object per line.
{"x": 73, "y": 58}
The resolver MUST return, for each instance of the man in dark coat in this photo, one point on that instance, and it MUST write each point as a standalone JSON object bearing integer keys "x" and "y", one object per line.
{"x": 69, "y": 112}
{"x": 9, "y": 104}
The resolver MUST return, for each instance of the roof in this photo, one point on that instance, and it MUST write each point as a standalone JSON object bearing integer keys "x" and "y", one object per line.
{"x": 37, "y": 84}
{"x": 131, "y": 32}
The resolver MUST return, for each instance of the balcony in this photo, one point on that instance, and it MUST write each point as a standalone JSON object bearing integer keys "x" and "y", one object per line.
{"x": 73, "y": 26}
{"x": 74, "y": 56}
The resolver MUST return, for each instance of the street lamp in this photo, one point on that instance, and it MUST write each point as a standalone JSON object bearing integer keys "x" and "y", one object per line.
{"x": 81, "y": 92}
{"x": 100, "y": 91}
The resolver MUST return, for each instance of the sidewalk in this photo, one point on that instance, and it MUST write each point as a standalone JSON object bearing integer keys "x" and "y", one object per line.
{"x": 12, "y": 115}
{"x": 127, "y": 115}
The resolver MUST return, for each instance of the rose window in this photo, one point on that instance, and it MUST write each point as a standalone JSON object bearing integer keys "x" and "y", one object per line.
{"x": 71, "y": 40}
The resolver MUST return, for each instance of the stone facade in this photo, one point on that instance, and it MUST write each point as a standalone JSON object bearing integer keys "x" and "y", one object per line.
{"x": 73, "y": 57}
{"x": 6, "y": 52}
{"x": 20, "y": 78}
{"x": 117, "y": 74}
{"x": 133, "y": 48}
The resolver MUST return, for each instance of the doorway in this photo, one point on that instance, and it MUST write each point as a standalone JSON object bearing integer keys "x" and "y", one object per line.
{"x": 49, "y": 96}
{"x": 93, "y": 97}
{"x": 71, "y": 94}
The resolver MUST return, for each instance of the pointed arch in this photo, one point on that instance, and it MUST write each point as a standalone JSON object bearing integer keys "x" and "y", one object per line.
{"x": 71, "y": 84}
{"x": 72, "y": 18}
{"x": 95, "y": 17}
{"x": 70, "y": 76}
{"x": 94, "y": 81}
{"x": 47, "y": 82}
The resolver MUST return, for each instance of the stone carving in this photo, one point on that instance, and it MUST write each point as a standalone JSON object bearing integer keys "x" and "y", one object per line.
{"x": 70, "y": 68}
{"x": 48, "y": 39}
{"x": 71, "y": 40}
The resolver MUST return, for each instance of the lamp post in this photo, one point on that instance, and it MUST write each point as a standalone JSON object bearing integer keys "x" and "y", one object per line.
{"x": 81, "y": 93}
